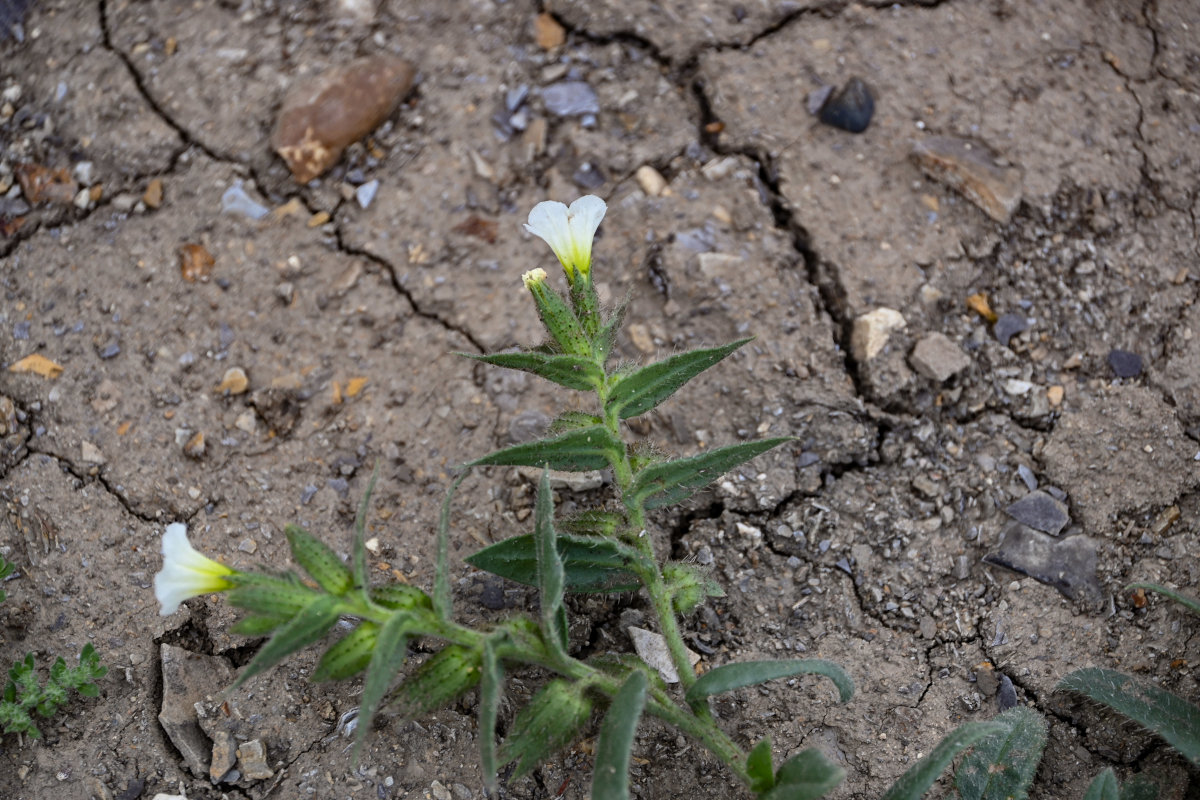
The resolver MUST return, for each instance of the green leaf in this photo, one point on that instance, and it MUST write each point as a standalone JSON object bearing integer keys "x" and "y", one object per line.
{"x": 318, "y": 560}
{"x": 1001, "y": 767}
{"x": 575, "y": 451}
{"x": 1191, "y": 603}
{"x": 669, "y": 482}
{"x": 750, "y": 673}
{"x": 614, "y": 746}
{"x": 914, "y": 783}
{"x": 443, "y": 600}
{"x": 309, "y": 625}
{"x": 574, "y": 372}
{"x": 391, "y": 648}
{"x": 1141, "y": 787}
{"x": 589, "y": 565}
{"x": 807, "y": 775}
{"x": 549, "y": 567}
{"x": 491, "y": 691}
{"x": 447, "y": 674}
{"x": 552, "y": 720}
{"x": 758, "y": 767}
{"x": 257, "y": 625}
{"x": 1104, "y": 787}
{"x": 349, "y": 655}
{"x": 643, "y": 390}
{"x": 1168, "y": 715}
{"x": 360, "y": 533}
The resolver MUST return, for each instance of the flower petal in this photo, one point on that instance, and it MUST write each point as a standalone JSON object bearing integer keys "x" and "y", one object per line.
{"x": 548, "y": 220}
{"x": 185, "y": 572}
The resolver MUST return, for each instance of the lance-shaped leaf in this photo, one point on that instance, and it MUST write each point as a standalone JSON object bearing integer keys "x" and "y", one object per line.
{"x": 574, "y": 372}
{"x": 551, "y": 721}
{"x": 1155, "y": 709}
{"x": 391, "y": 648}
{"x": 670, "y": 482}
{"x": 1001, "y": 767}
{"x": 590, "y": 565}
{"x": 807, "y": 775}
{"x": 491, "y": 691}
{"x": 549, "y": 568}
{"x": 360, "y": 532}
{"x": 602, "y": 345}
{"x": 914, "y": 783}
{"x": 256, "y": 625}
{"x": 448, "y": 673}
{"x": 319, "y": 560}
{"x": 443, "y": 600}
{"x": 614, "y": 746}
{"x": 313, "y": 622}
{"x": 750, "y": 673}
{"x": 574, "y": 451}
{"x": 349, "y": 655}
{"x": 759, "y": 768}
{"x": 1104, "y": 787}
{"x": 641, "y": 391}
{"x": 1190, "y": 603}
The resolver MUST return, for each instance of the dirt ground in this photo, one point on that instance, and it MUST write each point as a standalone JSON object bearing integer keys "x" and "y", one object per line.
{"x": 883, "y": 539}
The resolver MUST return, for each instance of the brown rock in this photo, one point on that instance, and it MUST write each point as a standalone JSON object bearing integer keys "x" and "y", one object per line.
{"x": 41, "y": 184}
{"x": 195, "y": 263}
{"x": 153, "y": 196}
{"x": 325, "y": 114}
{"x": 971, "y": 169}
{"x": 548, "y": 32}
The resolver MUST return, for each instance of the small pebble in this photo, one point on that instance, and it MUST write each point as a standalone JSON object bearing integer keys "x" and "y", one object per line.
{"x": 234, "y": 381}
{"x": 195, "y": 446}
{"x": 571, "y": 98}
{"x": 235, "y": 200}
{"x": 1007, "y": 695}
{"x": 651, "y": 180}
{"x": 973, "y": 170}
{"x": 110, "y": 350}
{"x": 1008, "y": 326}
{"x": 1125, "y": 364}
{"x": 248, "y": 545}
{"x": 153, "y": 195}
{"x": 850, "y": 109}
{"x": 1040, "y": 511}
{"x": 366, "y": 193}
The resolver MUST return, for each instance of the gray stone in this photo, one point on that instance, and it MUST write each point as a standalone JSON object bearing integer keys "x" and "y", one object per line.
{"x": 1067, "y": 564}
{"x": 187, "y": 678}
{"x": 1041, "y": 512}
{"x": 938, "y": 358}
{"x": 252, "y": 759}
{"x": 224, "y": 756}
{"x": 569, "y": 98}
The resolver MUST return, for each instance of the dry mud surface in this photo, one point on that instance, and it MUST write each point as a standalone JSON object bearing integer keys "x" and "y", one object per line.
{"x": 864, "y": 542}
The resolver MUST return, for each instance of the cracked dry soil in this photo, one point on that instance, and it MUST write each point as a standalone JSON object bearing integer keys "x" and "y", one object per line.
{"x": 862, "y": 543}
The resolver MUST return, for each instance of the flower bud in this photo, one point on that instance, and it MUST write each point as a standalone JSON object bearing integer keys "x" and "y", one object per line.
{"x": 689, "y": 586}
{"x": 400, "y": 596}
{"x": 449, "y": 673}
{"x": 551, "y": 721}
{"x": 556, "y": 315}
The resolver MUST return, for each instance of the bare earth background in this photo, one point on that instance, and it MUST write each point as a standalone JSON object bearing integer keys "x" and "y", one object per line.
{"x": 862, "y": 543}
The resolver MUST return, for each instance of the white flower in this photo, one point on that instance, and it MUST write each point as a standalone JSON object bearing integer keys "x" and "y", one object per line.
{"x": 185, "y": 572}
{"x": 569, "y": 231}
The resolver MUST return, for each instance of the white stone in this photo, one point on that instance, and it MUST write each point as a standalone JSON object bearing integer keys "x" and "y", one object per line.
{"x": 871, "y": 331}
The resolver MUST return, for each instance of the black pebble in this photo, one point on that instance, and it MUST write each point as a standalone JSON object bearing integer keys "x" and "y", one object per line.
{"x": 492, "y": 596}
{"x": 1009, "y": 326}
{"x": 850, "y": 109}
{"x": 1007, "y": 697}
{"x": 1125, "y": 364}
